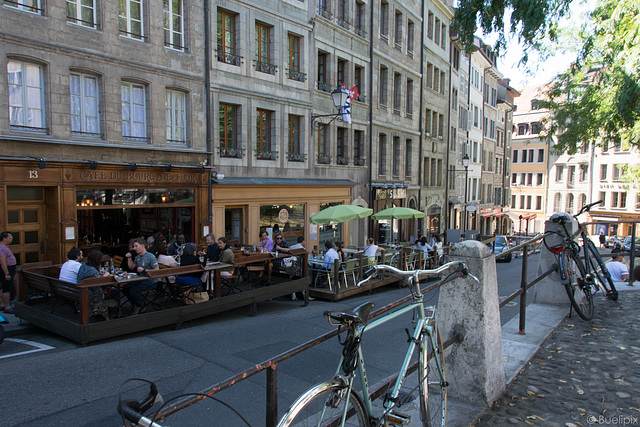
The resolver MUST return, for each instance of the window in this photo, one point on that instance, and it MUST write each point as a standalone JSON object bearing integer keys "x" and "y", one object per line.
{"x": 434, "y": 124}
{"x": 384, "y": 19}
{"x": 514, "y": 156}
{"x": 360, "y": 19}
{"x": 530, "y": 156}
{"x": 430, "y": 25}
{"x": 130, "y": 18}
{"x": 408, "y": 155}
{"x": 582, "y": 201}
{"x": 398, "y": 29}
{"x": 173, "y": 17}
{"x": 82, "y": 12}
{"x": 584, "y": 170}
{"x": 382, "y": 154}
{"x": 603, "y": 197}
{"x": 540, "y": 155}
{"x": 383, "y": 85}
{"x": 513, "y": 201}
{"x": 227, "y": 38}
{"x": 410, "y": 36}
{"x": 535, "y": 104}
{"x": 429, "y": 75}
{"x": 570, "y": 200}
{"x": 540, "y": 180}
{"x": 343, "y": 13}
{"x": 455, "y": 58}
{"x": 397, "y": 91}
{"x": 535, "y": 128}
{"x": 427, "y": 122}
{"x": 358, "y": 148}
{"x": 434, "y": 173}
{"x": 358, "y": 74}
{"x": 436, "y": 79}
{"x": 557, "y": 200}
{"x": 396, "y": 156}
{"x": 26, "y": 95}
{"x": 514, "y": 178}
{"x": 409, "y": 106}
{"x": 538, "y": 203}
{"x": 443, "y": 37}
{"x": 323, "y": 155}
{"x": 559, "y": 172}
{"x": 603, "y": 172}
{"x": 263, "y": 131}
{"x": 263, "y": 49}
{"x": 342, "y": 65}
{"x": 529, "y": 202}
{"x": 294, "y": 59}
{"x": 341, "y": 147}
{"x": 294, "y": 138}
{"x": 529, "y": 179}
{"x": 442, "y": 82}
{"x": 440, "y": 126}
{"x": 436, "y": 32}
{"x": 175, "y": 105}
{"x": 617, "y": 172}
{"x": 134, "y": 111}
{"x": 522, "y": 129}
{"x": 439, "y": 172}
{"x": 323, "y": 82}
{"x": 33, "y": 6}
{"x": 571, "y": 175}
{"x": 229, "y": 131}
{"x": 85, "y": 107}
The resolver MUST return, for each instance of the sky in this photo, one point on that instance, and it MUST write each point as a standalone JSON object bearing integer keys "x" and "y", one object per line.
{"x": 540, "y": 70}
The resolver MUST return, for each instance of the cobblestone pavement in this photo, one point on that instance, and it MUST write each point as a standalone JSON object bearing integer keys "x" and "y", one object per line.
{"x": 586, "y": 373}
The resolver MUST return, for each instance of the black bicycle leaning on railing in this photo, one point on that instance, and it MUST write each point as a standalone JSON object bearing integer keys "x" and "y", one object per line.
{"x": 581, "y": 279}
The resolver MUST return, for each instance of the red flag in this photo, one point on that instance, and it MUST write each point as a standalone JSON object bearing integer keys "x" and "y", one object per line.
{"x": 353, "y": 93}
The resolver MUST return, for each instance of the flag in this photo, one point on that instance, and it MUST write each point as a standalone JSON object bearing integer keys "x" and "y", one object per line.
{"x": 346, "y": 109}
{"x": 353, "y": 93}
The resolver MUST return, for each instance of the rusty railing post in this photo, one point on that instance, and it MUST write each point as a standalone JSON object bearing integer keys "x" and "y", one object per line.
{"x": 523, "y": 286}
{"x": 272, "y": 395}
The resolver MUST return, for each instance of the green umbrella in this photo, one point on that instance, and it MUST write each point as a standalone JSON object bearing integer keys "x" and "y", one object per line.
{"x": 398, "y": 213}
{"x": 339, "y": 213}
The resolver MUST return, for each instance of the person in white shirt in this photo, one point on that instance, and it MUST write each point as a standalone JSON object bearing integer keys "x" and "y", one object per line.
{"x": 330, "y": 256}
{"x": 69, "y": 270}
{"x": 371, "y": 250}
{"x": 618, "y": 270}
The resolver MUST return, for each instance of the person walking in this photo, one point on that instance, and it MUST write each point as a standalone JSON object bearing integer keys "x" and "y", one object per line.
{"x": 8, "y": 264}
{"x": 602, "y": 239}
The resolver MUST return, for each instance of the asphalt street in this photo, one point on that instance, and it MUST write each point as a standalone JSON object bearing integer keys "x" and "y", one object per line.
{"x": 74, "y": 385}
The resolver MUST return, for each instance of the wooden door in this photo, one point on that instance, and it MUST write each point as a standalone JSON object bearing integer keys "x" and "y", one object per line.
{"x": 27, "y": 224}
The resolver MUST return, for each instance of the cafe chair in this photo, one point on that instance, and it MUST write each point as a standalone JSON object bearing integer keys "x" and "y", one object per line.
{"x": 351, "y": 269}
{"x": 117, "y": 261}
{"x": 182, "y": 290}
{"x": 230, "y": 284}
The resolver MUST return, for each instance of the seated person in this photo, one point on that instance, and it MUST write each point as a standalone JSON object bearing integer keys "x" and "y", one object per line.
{"x": 636, "y": 274}
{"x": 300, "y": 244}
{"x": 91, "y": 269}
{"x": 330, "y": 256}
{"x": 226, "y": 255}
{"x": 280, "y": 245}
{"x": 213, "y": 249}
{"x": 265, "y": 244}
{"x": 69, "y": 270}
{"x": 125, "y": 265}
{"x": 338, "y": 247}
{"x": 189, "y": 257}
{"x": 165, "y": 259}
{"x": 143, "y": 261}
{"x": 176, "y": 247}
{"x": 371, "y": 250}
{"x": 618, "y": 270}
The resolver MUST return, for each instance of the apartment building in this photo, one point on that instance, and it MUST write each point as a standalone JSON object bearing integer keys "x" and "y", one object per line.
{"x": 502, "y": 178}
{"x": 531, "y": 160}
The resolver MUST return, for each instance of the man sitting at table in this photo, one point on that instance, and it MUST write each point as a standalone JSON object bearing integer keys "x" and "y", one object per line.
{"x": 330, "y": 256}
{"x": 226, "y": 255}
{"x": 69, "y": 270}
{"x": 300, "y": 244}
{"x": 176, "y": 247}
{"x": 144, "y": 261}
{"x": 213, "y": 249}
{"x": 265, "y": 244}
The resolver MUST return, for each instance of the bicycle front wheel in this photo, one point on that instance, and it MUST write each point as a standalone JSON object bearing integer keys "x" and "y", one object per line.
{"x": 432, "y": 385}
{"x": 577, "y": 287}
{"x": 324, "y": 405}
{"x": 600, "y": 273}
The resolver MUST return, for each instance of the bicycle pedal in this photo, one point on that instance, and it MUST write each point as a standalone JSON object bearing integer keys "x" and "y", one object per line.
{"x": 397, "y": 419}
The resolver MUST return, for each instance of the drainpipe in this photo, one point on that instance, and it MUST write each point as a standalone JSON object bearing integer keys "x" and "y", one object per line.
{"x": 207, "y": 100}
{"x": 421, "y": 119}
{"x": 371, "y": 65}
{"x": 446, "y": 185}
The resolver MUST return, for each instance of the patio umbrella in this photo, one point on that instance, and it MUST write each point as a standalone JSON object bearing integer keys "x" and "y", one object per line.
{"x": 398, "y": 213}
{"x": 339, "y": 213}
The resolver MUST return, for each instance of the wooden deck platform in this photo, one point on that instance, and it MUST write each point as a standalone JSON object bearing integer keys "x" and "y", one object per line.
{"x": 351, "y": 290}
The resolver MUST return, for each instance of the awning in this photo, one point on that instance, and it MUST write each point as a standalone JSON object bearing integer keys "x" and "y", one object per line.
{"x": 487, "y": 215}
{"x": 498, "y": 214}
{"x": 530, "y": 216}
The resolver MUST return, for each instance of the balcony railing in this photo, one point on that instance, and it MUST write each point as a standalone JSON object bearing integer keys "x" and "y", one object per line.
{"x": 325, "y": 13}
{"x": 360, "y": 31}
{"x": 265, "y": 67}
{"x": 358, "y": 161}
{"x": 229, "y": 58}
{"x": 296, "y": 157}
{"x": 266, "y": 155}
{"x": 324, "y": 86}
{"x": 324, "y": 159}
{"x": 342, "y": 161}
{"x": 235, "y": 153}
{"x": 344, "y": 23}
{"x": 296, "y": 75}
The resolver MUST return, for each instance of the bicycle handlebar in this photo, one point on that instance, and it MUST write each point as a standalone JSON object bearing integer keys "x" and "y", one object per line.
{"x": 133, "y": 410}
{"x": 587, "y": 208}
{"x": 416, "y": 274}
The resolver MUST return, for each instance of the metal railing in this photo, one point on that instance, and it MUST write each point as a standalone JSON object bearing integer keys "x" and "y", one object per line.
{"x": 271, "y": 368}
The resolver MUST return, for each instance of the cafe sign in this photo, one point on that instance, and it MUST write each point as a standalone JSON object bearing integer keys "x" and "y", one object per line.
{"x": 391, "y": 193}
{"x": 138, "y": 176}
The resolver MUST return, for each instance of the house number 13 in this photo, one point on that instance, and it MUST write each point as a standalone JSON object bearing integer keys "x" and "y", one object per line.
{"x": 33, "y": 174}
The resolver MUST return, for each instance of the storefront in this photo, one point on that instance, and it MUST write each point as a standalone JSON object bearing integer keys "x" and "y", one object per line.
{"x": 54, "y": 206}
{"x": 617, "y": 223}
{"x": 390, "y": 230}
{"x": 242, "y": 207}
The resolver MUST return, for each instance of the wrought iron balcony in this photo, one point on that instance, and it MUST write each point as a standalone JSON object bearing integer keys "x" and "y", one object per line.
{"x": 325, "y": 13}
{"x": 265, "y": 67}
{"x": 296, "y": 75}
{"x": 324, "y": 86}
{"x": 235, "y": 153}
{"x": 360, "y": 31}
{"x": 342, "y": 161}
{"x": 266, "y": 155}
{"x": 344, "y": 23}
{"x": 229, "y": 58}
{"x": 296, "y": 157}
{"x": 324, "y": 159}
{"x": 358, "y": 161}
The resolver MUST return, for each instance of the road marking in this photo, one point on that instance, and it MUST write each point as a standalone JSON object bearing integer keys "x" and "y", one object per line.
{"x": 38, "y": 347}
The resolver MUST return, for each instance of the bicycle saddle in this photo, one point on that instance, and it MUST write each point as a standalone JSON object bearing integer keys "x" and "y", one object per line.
{"x": 359, "y": 314}
{"x": 561, "y": 217}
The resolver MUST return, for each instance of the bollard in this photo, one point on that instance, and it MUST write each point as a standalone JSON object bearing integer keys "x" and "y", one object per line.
{"x": 550, "y": 290}
{"x": 475, "y": 367}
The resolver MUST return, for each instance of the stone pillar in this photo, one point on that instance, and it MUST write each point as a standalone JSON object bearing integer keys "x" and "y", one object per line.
{"x": 549, "y": 290}
{"x": 475, "y": 367}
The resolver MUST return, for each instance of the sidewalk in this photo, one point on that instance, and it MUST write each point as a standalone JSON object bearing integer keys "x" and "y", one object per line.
{"x": 585, "y": 373}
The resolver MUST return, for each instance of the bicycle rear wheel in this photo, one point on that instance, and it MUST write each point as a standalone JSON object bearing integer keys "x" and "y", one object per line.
{"x": 433, "y": 387}
{"x": 323, "y": 405}
{"x": 578, "y": 288}
{"x": 600, "y": 272}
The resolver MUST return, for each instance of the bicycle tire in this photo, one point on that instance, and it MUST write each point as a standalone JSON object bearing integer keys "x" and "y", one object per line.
{"x": 578, "y": 290}
{"x": 323, "y": 405}
{"x": 600, "y": 272}
{"x": 433, "y": 388}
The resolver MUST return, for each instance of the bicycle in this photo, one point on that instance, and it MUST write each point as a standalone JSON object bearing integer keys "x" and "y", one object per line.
{"x": 580, "y": 279}
{"x": 337, "y": 403}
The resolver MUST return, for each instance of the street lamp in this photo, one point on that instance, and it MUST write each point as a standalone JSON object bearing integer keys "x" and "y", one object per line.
{"x": 465, "y": 163}
{"x": 340, "y": 97}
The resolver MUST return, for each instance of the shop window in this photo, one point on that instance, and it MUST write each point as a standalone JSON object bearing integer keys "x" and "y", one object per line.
{"x": 126, "y": 197}
{"x": 286, "y": 218}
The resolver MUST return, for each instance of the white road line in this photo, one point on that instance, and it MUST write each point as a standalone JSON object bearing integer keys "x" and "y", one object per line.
{"x": 38, "y": 347}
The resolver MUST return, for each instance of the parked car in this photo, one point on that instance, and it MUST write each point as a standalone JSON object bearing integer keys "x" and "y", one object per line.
{"x": 611, "y": 241}
{"x": 500, "y": 245}
{"x": 627, "y": 244}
